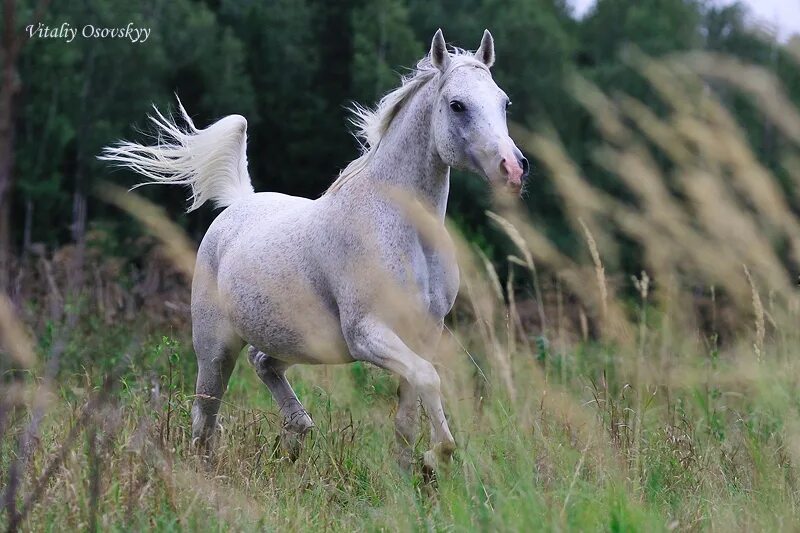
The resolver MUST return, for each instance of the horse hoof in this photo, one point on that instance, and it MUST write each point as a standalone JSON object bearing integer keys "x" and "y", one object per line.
{"x": 444, "y": 451}
{"x": 429, "y": 461}
{"x": 203, "y": 447}
{"x": 292, "y": 443}
{"x": 429, "y": 469}
{"x": 436, "y": 460}
{"x": 439, "y": 456}
{"x": 405, "y": 459}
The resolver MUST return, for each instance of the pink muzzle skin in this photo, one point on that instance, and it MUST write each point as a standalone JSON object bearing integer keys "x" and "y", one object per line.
{"x": 513, "y": 172}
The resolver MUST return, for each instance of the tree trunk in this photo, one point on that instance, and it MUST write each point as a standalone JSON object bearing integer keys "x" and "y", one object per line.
{"x": 79, "y": 206}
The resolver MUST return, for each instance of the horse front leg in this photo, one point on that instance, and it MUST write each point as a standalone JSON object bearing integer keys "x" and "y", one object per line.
{"x": 406, "y": 422}
{"x": 297, "y": 422}
{"x": 372, "y": 341}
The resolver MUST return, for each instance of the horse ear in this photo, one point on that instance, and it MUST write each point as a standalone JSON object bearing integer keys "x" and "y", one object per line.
{"x": 440, "y": 57}
{"x": 485, "y": 52}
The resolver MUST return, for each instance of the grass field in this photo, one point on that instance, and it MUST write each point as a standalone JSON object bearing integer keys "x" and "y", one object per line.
{"x": 667, "y": 401}
{"x": 574, "y": 444}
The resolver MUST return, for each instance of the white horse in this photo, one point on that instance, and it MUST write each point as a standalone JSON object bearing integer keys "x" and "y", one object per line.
{"x": 348, "y": 276}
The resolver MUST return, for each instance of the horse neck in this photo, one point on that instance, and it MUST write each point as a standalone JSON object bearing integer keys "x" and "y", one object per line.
{"x": 406, "y": 156}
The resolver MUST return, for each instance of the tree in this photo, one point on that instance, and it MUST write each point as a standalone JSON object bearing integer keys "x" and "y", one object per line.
{"x": 383, "y": 44}
{"x": 288, "y": 146}
{"x": 84, "y": 95}
{"x": 10, "y": 85}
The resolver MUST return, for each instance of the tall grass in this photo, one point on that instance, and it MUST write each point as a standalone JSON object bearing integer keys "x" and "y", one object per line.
{"x": 667, "y": 400}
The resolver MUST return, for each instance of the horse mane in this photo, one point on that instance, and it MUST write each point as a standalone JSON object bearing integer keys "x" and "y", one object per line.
{"x": 371, "y": 124}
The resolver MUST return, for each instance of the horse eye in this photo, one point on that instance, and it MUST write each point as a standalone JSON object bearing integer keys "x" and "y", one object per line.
{"x": 457, "y": 106}
{"x": 508, "y": 104}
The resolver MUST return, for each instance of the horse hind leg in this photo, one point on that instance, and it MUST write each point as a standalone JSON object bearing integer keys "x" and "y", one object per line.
{"x": 297, "y": 422}
{"x": 217, "y": 350}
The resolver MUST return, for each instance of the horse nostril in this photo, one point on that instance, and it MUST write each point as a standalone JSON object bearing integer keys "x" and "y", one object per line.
{"x": 525, "y": 167}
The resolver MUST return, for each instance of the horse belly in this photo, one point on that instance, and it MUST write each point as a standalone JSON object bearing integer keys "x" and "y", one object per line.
{"x": 277, "y": 307}
{"x": 294, "y": 325}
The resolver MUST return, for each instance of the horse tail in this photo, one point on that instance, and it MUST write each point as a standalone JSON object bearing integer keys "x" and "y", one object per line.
{"x": 212, "y": 161}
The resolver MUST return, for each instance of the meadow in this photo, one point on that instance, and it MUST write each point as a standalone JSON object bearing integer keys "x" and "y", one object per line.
{"x": 581, "y": 398}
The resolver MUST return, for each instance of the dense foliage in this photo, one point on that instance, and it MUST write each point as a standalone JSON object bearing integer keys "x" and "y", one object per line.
{"x": 293, "y": 66}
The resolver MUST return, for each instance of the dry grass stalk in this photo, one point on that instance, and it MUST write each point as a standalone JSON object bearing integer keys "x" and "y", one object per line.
{"x": 599, "y": 270}
{"x": 758, "y": 310}
{"x": 14, "y": 340}
{"x": 516, "y": 237}
{"x": 760, "y": 84}
{"x": 580, "y": 199}
{"x": 181, "y": 251}
{"x": 491, "y": 272}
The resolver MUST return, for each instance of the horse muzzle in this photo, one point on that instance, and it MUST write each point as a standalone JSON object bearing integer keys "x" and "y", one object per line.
{"x": 515, "y": 168}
